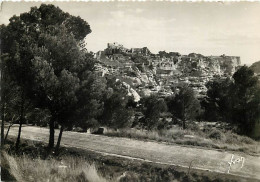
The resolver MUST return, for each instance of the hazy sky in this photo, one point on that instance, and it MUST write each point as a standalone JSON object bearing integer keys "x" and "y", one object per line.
{"x": 206, "y": 28}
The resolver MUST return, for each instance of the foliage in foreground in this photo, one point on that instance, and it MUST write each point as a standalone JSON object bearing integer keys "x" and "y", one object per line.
{"x": 45, "y": 60}
{"x": 110, "y": 167}
{"x": 26, "y": 169}
{"x": 52, "y": 75}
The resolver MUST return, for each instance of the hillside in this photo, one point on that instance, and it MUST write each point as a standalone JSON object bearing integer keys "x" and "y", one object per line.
{"x": 149, "y": 73}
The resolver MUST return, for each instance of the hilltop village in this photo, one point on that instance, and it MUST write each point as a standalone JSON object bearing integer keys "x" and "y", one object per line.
{"x": 144, "y": 73}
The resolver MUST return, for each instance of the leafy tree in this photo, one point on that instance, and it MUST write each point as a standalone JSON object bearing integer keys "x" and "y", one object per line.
{"x": 38, "y": 116}
{"x": 62, "y": 70}
{"x": 116, "y": 112}
{"x": 245, "y": 98}
{"x": 91, "y": 98}
{"x": 256, "y": 67}
{"x": 153, "y": 108}
{"x": 163, "y": 54}
{"x": 216, "y": 105}
{"x": 11, "y": 101}
{"x": 15, "y": 105}
{"x": 14, "y": 72}
{"x": 2, "y": 97}
{"x": 45, "y": 59}
{"x": 236, "y": 101}
{"x": 184, "y": 105}
{"x": 119, "y": 116}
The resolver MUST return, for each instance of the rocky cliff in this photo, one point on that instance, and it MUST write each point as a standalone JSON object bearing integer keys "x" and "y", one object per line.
{"x": 146, "y": 73}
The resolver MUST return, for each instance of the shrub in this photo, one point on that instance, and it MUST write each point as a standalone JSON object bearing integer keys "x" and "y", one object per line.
{"x": 193, "y": 126}
{"x": 234, "y": 138}
{"x": 217, "y": 135}
{"x": 212, "y": 138}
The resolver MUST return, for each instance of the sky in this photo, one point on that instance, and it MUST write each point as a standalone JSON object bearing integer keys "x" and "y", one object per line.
{"x": 209, "y": 28}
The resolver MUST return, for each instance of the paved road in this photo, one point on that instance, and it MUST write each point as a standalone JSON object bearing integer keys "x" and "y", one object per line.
{"x": 204, "y": 159}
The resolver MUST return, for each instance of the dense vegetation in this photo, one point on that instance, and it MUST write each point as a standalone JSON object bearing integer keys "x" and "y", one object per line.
{"x": 49, "y": 80}
{"x": 46, "y": 68}
{"x": 236, "y": 101}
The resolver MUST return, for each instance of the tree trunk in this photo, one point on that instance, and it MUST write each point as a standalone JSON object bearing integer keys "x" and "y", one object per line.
{"x": 183, "y": 124}
{"x": 52, "y": 132}
{"x": 11, "y": 124}
{"x": 59, "y": 139}
{"x": 2, "y": 100}
{"x": 21, "y": 120}
{"x": 19, "y": 135}
{"x": 183, "y": 115}
{"x": 2, "y": 126}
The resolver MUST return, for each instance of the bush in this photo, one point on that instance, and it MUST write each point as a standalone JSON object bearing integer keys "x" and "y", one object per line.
{"x": 193, "y": 126}
{"x": 217, "y": 135}
{"x": 234, "y": 138}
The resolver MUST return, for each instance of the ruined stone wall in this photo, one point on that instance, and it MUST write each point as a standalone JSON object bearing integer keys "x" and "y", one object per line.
{"x": 114, "y": 45}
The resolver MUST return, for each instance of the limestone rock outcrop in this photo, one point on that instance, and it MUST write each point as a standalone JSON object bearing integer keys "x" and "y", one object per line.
{"x": 146, "y": 73}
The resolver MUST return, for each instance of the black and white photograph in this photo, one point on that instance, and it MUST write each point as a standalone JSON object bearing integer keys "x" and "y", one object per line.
{"x": 130, "y": 91}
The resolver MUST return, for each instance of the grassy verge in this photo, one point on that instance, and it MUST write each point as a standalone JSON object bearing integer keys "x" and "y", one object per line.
{"x": 26, "y": 169}
{"x": 34, "y": 163}
{"x": 213, "y": 138}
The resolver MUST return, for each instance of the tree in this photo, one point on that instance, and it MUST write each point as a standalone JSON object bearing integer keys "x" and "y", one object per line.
{"x": 163, "y": 54}
{"x": 256, "y": 67}
{"x": 14, "y": 72}
{"x": 245, "y": 98}
{"x": 116, "y": 113}
{"x": 236, "y": 101}
{"x": 2, "y": 100}
{"x": 153, "y": 108}
{"x": 45, "y": 58}
{"x": 91, "y": 98}
{"x": 61, "y": 69}
{"x": 14, "y": 101}
{"x": 38, "y": 116}
{"x": 217, "y": 105}
{"x": 184, "y": 105}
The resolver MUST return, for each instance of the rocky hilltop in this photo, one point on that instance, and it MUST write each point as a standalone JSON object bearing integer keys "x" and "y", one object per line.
{"x": 144, "y": 73}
